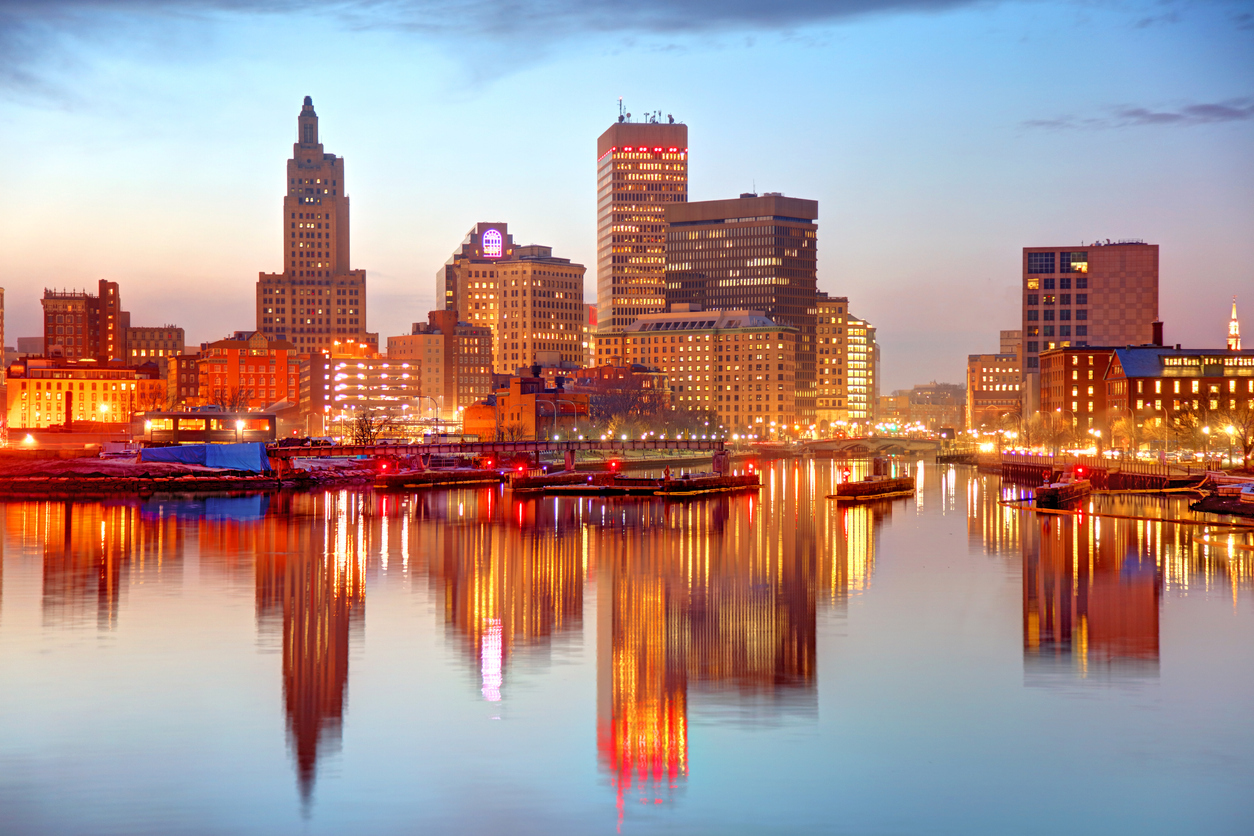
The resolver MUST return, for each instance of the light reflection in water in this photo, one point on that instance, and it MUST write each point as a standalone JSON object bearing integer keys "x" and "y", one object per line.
{"x": 704, "y": 609}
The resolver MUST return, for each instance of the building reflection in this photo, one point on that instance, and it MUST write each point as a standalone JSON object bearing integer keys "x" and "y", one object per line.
{"x": 310, "y": 589}
{"x": 506, "y": 584}
{"x": 711, "y": 605}
{"x": 89, "y": 552}
{"x": 1091, "y": 601}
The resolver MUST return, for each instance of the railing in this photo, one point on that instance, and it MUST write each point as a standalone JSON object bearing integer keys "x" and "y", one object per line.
{"x": 471, "y": 448}
{"x": 1063, "y": 462}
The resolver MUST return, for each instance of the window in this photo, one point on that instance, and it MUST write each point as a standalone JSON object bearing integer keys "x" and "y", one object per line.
{"x": 1064, "y": 330}
{"x": 1081, "y": 314}
{"x": 1081, "y": 298}
{"x": 1081, "y": 281}
{"x": 1033, "y": 363}
{"x": 1064, "y": 284}
{"x": 1074, "y": 262}
{"x": 1049, "y": 284}
{"x": 1049, "y": 314}
{"x": 1064, "y": 315}
{"x": 1081, "y": 330}
{"x": 1034, "y": 299}
{"x": 1034, "y": 315}
{"x": 1033, "y": 346}
{"x": 1049, "y": 331}
{"x": 1065, "y": 299}
{"x": 1040, "y": 262}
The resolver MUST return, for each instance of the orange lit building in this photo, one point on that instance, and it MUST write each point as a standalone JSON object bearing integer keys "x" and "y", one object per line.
{"x": 318, "y": 298}
{"x": 526, "y": 410}
{"x": 642, "y": 167}
{"x": 1073, "y": 384}
{"x": 46, "y": 392}
{"x": 79, "y": 325}
{"x": 249, "y": 371}
{"x": 1159, "y": 381}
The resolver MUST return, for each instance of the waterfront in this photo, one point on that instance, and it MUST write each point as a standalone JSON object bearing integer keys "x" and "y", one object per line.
{"x": 463, "y": 662}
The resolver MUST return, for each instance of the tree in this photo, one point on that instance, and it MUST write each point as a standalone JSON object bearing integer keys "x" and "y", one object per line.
{"x": 1238, "y": 425}
{"x": 367, "y": 428}
{"x": 514, "y": 431}
{"x": 231, "y": 399}
{"x": 1127, "y": 433}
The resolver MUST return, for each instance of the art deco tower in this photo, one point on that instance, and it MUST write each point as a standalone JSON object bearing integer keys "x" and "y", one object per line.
{"x": 641, "y": 168}
{"x": 318, "y": 300}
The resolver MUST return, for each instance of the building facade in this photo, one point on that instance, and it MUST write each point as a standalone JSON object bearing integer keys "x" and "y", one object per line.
{"x": 144, "y": 344}
{"x": 249, "y": 371}
{"x": 861, "y": 385}
{"x": 994, "y": 383}
{"x": 1161, "y": 382}
{"x": 751, "y": 252}
{"x": 831, "y": 362}
{"x": 741, "y": 366}
{"x": 83, "y": 326}
{"x": 642, "y": 167}
{"x": 182, "y": 381}
{"x": 1073, "y": 385}
{"x": 526, "y": 410}
{"x": 466, "y": 282}
{"x": 1100, "y": 294}
{"x": 45, "y": 391}
{"x": 541, "y": 311}
{"x": 318, "y": 298}
{"x": 338, "y": 388}
{"x": 453, "y": 362}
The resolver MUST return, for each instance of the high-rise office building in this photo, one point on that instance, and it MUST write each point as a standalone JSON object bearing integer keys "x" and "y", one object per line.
{"x": 542, "y": 311}
{"x": 465, "y": 283}
{"x": 860, "y": 373}
{"x": 751, "y": 252}
{"x": 831, "y": 360}
{"x": 642, "y": 167}
{"x": 80, "y": 325}
{"x": 318, "y": 299}
{"x": 1099, "y": 294}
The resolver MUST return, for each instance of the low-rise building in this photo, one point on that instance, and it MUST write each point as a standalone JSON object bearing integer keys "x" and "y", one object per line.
{"x": 44, "y": 392}
{"x": 182, "y": 381}
{"x": 994, "y": 383}
{"x": 526, "y": 410}
{"x": 1073, "y": 384}
{"x": 738, "y": 365}
{"x": 1160, "y": 381}
{"x": 249, "y": 372}
{"x": 339, "y": 387}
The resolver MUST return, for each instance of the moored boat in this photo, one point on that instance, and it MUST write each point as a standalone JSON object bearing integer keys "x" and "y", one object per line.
{"x": 1067, "y": 489}
{"x": 873, "y": 487}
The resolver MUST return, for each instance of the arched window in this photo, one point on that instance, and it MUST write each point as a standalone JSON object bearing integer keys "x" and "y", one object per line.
{"x": 493, "y": 244}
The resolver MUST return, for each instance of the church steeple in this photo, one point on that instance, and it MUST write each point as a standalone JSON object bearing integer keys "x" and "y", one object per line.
{"x": 307, "y": 125}
{"x": 1234, "y": 329}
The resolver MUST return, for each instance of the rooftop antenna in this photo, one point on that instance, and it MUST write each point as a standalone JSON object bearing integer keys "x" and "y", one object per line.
{"x": 621, "y": 113}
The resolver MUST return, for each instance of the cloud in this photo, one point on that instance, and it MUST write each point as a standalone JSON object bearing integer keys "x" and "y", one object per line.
{"x": 1127, "y": 116}
{"x": 38, "y": 38}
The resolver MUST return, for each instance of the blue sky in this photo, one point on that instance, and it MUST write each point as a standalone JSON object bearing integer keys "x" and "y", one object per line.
{"x": 146, "y": 142}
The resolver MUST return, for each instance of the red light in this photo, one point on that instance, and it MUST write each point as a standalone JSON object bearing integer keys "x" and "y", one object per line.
{"x": 671, "y": 150}
{"x": 1079, "y": 471}
{"x": 659, "y": 148}
{"x": 613, "y": 465}
{"x": 521, "y": 468}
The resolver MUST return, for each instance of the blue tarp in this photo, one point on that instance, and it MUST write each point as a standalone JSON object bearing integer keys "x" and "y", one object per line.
{"x": 250, "y": 457}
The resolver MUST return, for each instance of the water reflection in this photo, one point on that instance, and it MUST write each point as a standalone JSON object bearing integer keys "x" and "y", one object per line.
{"x": 706, "y": 612}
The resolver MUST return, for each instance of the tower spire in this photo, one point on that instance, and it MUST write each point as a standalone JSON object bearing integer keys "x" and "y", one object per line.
{"x": 307, "y": 124}
{"x": 1234, "y": 329}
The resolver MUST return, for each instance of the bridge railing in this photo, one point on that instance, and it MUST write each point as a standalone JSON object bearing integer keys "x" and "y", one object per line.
{"x": 497, "y": 448}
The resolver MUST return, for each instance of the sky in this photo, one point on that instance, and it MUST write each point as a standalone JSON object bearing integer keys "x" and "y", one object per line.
{"x": 145, "y": 142}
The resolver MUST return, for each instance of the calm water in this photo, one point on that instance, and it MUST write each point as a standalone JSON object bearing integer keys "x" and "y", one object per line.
{"x": 462, "y": 662}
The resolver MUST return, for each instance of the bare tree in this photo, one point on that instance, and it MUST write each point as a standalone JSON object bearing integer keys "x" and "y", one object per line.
{"x": 367, "y": 428}
{"x": 513, "y": 432}
{"x": 232, "y": 399}
{"x": 1241, "y": 423}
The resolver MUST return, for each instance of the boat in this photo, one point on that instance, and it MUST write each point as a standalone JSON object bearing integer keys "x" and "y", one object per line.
{"x": 873, "y": 487}
{"x": 1067, "y": 489}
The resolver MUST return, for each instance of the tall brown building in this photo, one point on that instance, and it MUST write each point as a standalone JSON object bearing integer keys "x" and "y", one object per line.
{"x": 82, "y": 325}
{"x": 642, "y": 167}
{"x": 751, "y": 252}
{"x": 318, "y": 299}
{"x": 463, "y": 283}
{"x": 541, "y": 311}
{"x": 1102, "y": 294}
{"x": 832, "y": 356}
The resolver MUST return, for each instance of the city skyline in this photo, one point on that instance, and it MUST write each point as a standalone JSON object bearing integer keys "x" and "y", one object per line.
{"x": 1149, "y": 136}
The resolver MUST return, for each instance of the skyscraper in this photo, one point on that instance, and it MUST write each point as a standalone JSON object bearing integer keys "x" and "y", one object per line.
{"x": 642, "y": 167}
{"x": 1102, "y": 294}
{"x": 751, "y": 252}
{"x": 832, "y": 355}
{"x": 317, "y": 300}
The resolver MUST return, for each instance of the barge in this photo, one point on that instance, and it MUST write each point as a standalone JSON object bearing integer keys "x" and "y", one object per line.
{"x": 1067, "y": 489}
{"x": 874, "y": 487}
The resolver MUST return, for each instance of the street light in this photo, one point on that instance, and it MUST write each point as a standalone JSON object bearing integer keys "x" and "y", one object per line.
{"x": 1230, "y": 431}
{"x": 1206, "y": 444}
{"x": 239, "y": 429}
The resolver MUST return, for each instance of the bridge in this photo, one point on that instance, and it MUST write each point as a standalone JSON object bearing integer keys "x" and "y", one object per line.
{"x": 872, "y": 446}
{"x": 504, "y": 449}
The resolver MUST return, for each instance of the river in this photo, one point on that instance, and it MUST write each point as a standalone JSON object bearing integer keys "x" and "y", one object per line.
{"x": 462, "y": 662}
